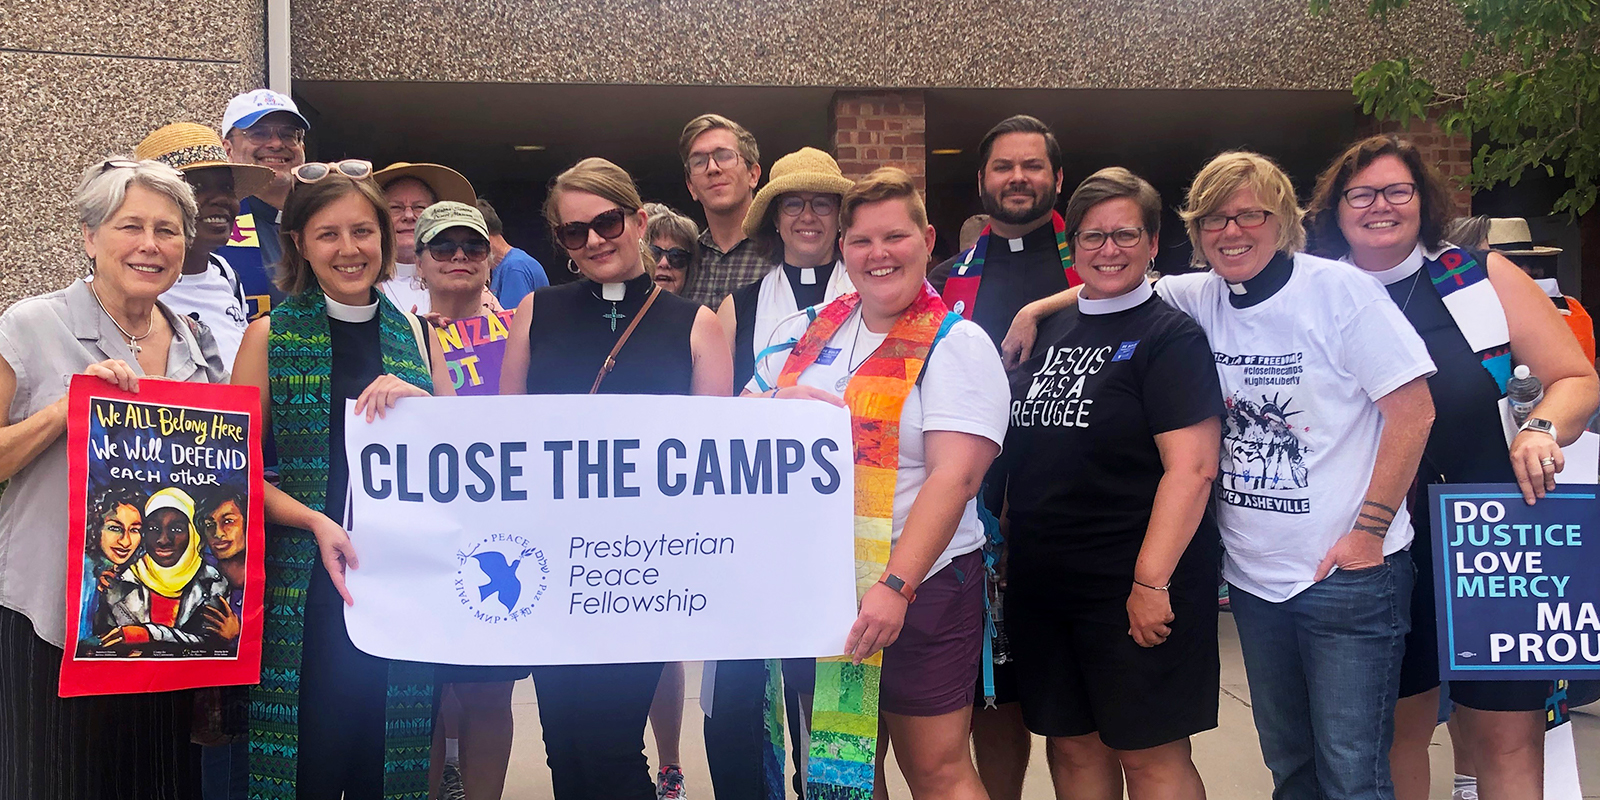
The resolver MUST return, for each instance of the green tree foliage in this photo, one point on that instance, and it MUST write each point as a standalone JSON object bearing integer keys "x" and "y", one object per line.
{"x": 1538, "y": 109}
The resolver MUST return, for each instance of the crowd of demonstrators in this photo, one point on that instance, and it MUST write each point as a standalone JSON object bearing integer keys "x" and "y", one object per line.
{"x": 1060, "y": 588}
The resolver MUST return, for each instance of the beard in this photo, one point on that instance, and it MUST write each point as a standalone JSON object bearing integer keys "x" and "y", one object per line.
{"x": 1042, "y": 205}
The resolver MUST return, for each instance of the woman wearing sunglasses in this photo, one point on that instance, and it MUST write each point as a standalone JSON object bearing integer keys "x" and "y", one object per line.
{"x": 612, "y": 331}
{"x": 1380, "y": 206}
{"x": 671, "y": 238}
{"x": 356, "y": 725}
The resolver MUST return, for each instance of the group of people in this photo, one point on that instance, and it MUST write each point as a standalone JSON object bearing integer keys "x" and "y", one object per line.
{"x": 1267, "y": 417}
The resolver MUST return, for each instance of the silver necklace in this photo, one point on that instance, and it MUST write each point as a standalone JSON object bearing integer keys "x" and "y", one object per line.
{"x": 1415, "y": 279}
{"x": 849, "y": 360}
{"x": 133, "y": 341}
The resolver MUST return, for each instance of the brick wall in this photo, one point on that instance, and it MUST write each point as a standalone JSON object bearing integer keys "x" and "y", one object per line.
{"x": 881, "y": 129}
{"x": 1451, "y": 154}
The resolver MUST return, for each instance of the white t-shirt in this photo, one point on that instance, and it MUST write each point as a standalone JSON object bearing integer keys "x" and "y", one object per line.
{"x": 1300, "y": 374}
{"x": 212, "y": 298}
{"x": 405, "y": 290}
{"x": 963, "y": 389}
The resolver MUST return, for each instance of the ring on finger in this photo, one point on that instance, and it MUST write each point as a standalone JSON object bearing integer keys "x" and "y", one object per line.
{"x": 1548, "y": 461}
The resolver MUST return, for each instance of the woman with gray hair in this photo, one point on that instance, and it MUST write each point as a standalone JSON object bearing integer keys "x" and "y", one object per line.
{"x": 137, "y": 219}
{"x": 670, "y": 238}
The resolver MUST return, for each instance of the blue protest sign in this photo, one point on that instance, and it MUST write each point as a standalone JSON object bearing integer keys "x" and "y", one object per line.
{"x": 1516, "y": 584}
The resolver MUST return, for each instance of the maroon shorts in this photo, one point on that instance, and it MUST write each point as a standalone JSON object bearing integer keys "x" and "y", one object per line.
{"x": 932, "y": 669}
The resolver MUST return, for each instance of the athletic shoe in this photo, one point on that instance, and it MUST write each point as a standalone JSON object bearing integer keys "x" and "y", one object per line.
{"x": 1464, "y": 793}
{"x": 450, "y": 786}
{"x": 669, "y": 783}
{"x": 1222, "y": 598}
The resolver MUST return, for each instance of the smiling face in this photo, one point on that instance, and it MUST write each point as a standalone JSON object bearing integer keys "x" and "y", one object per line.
{"x": 1239, "y": 254}
{"x": 213, "y": 192}
{"x": 808, "y": 238}
{"x": 668, "y": 277}
{"x": 458, "y": 274}
{"x": 343, "y": 243}
{"x": 166, "y": 535}
{"x": 1112, "y": 270}
{"x": 886, "y": 256}
{"x": 721, "y": 189}
{"x": 1382, "y": 226}
{"x": 407, "y": 198}
{"x": 279, "y": 153}
{"x": 1016, "y": 184}
{"x": 224, "y": 531}
{"x": 600, "y": 259}
{"x": 138, "y": 250}
{"x": 120, "y": 533}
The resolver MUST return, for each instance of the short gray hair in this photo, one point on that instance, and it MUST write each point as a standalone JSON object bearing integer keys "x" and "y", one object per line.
{"x": 661, "y": 220}
{"x": 103, "y": 187}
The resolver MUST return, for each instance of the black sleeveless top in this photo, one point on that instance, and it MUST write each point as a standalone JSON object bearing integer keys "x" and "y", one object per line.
{"x": 571, "y": 332}
{"x": 745, "y": 300}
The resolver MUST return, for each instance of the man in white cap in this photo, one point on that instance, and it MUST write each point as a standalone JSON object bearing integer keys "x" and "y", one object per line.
{"x": 266, "y": 129}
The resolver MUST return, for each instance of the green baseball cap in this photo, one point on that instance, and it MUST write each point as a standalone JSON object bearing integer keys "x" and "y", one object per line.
{"x": 448, "y": 214}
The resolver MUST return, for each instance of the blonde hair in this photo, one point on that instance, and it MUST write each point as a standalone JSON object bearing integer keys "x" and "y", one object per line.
{"x": 710, "y": 122}
{"x": 1239, "y": 169}
{"x": 595, "y": 176}
{"x": 885, "y": 183}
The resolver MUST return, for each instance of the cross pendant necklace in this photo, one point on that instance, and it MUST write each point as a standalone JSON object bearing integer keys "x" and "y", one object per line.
{"x": 133, "y": 341}
{"x": 614, "y": 315}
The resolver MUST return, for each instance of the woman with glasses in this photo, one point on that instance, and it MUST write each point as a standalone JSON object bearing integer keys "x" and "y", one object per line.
{"x": 137, "y": 219}
{"x": 328, "y": 720}
{"x": 1380, "y": 206}
{"x": 1110, "y": 457}
{"x": 671, "y": 237}
{"x": 613, "y": 331}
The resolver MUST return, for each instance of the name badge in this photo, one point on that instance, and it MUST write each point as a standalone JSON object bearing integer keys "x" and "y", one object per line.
{"x": 827, "y": 355}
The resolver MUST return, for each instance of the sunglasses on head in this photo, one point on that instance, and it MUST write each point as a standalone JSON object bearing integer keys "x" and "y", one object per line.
{"x": 444, "y": 249}
{"x": 313, "y": 171}
{"x": 677, "y": 257}
{"x": 609, "y": 224}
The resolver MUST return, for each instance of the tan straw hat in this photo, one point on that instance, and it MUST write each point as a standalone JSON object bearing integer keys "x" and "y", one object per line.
{"x": 187, "y": 146}
{"x": 446, "y": 183}
{"x": 1510, "y": 236}
{"x": 805, "y": 170}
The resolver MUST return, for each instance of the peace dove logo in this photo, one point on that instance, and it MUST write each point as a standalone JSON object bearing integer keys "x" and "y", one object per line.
{"x": 501, "y": 578}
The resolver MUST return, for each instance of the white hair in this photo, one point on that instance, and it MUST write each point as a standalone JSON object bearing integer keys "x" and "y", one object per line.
{"x": 103, "y": 187}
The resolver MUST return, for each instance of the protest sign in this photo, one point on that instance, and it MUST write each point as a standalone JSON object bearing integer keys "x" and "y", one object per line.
{"x": 1514, "y": 582}
{"x": 577, "y": 529}
{"x": 165, "y": 543}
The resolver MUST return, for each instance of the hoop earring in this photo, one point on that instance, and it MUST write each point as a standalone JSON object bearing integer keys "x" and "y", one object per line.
{"x": 572, "y": 266}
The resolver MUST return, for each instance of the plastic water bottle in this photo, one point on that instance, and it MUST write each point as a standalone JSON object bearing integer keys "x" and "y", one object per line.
{"x": 1523, "y": 392}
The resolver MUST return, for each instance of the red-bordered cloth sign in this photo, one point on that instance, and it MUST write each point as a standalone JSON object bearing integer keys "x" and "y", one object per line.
{"x": 166, "y": 543}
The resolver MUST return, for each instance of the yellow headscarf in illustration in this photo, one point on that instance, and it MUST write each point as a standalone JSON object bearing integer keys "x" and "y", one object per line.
{"x": 169, "y": 581}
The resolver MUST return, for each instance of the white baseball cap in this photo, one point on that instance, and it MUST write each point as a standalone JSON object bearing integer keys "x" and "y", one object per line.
{"x": 248, "y": 108}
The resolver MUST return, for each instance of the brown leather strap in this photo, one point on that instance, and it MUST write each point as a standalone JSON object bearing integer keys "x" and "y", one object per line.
{"x": 611, "y": 358}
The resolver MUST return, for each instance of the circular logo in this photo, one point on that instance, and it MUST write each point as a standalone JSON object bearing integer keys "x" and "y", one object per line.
{"x": 960, "y": 306}
{"x": 501, "y": 577}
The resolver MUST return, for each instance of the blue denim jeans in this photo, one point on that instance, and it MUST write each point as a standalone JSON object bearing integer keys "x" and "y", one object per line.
{"x": 1324, "y": 672}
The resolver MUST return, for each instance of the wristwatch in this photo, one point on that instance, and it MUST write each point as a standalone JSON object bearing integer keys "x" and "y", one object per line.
{"x": 896, "y": 583}
{"x": 1540, "y": 425}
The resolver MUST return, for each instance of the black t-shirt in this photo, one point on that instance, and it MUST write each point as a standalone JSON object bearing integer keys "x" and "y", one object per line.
{"x": 1081, "y": 455}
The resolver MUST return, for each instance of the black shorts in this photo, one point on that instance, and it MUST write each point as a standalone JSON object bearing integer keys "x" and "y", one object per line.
{"x": 1079, "y": 672}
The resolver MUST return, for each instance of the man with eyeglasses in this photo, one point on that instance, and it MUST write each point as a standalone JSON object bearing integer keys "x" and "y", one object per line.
{"x": 266, "y": 129}
{"x": 722, "y": 166}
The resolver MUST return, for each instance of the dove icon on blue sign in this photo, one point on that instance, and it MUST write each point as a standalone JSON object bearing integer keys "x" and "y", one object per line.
{"x": 502, "y": 578}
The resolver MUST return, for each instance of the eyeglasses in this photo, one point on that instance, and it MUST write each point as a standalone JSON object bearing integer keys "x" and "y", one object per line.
{"x": 609, "y": 224}
{"x": 677, "y": 257}
{"x": 1122, "y": 237}
{"x": 262, "y": 134}
{"x": 445, "y": 249}
{"x": 823, "y": 205}
{"x": 1398, "y": 194}
{"x": 725, "y": 158}
{"x": 1248, "y": 219}
{"x": 416, "y": 209}
{"x": 313, "y": 171}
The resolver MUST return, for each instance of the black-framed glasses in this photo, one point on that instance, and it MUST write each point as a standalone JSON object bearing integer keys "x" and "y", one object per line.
{"x": 262, "y": 134}
{"x": 823, "y": 205}
{"x": 445, "y": 249}
{"x": 1121, "y": 237}
{"x": 1248, "y": 219}
{"x": 724, "y": 156}
{"x": 677, "y": 257}
{"x": 313, "y": 171}
{"x": 1398, "y": 194}
{"x": 609, "y": 224}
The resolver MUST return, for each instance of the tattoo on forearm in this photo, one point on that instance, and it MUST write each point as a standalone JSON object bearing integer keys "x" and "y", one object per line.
{"x": 1375, "y": 530}
{"x": 1379, "y": 506}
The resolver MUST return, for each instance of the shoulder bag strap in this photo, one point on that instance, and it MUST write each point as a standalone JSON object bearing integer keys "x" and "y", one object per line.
{"x": 611, "y": 358}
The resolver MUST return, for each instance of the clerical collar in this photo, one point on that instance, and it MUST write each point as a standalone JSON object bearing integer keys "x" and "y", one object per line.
{"x": 1122, "y": 302}
{"x": 1265, "y": 284}
{"x": 617, "y": 292}
{"x": 808, "y": 276}
{"x": 344, "y": 312}
{"x": 1407, "y": 267}
{"x": 1042, "y": 237}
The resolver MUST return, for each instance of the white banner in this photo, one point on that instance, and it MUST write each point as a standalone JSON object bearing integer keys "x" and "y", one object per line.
{"x": 575, "y": 529}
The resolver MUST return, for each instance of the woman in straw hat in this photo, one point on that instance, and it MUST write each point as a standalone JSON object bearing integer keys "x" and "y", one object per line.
{"x": 409, "y": 189}
{"x": 209, "y": 289}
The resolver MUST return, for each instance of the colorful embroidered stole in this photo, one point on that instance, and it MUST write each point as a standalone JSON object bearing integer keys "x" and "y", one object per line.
{"x": 1463, "y": 285}
{"x": 299, "y": 367}
{"x": 844, "y": 716}
{"x": 961, "y": 288}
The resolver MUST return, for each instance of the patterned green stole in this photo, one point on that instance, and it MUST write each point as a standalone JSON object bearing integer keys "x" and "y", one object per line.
{"x": 299, "y": 365}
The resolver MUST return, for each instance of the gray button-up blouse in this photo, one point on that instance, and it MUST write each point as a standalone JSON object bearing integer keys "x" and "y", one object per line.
{"x": 46, "y": 340}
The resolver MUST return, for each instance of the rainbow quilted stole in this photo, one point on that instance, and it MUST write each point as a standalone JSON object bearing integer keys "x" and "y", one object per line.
{"x": 1463, "y": 285}
{"x": 844, "y": 716}
{"x": 961, "y": 287}
{"x": 299, "y": 365}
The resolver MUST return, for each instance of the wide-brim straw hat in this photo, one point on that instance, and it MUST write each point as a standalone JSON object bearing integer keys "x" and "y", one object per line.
{"x": 1511, "y": 236}
{"x": 805, "y": 170}
{"x": 188, "y": 146}
{"x": 446, "y": 183}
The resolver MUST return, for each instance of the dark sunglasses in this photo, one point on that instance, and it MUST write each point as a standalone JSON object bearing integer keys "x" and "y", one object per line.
{"x": 677, "y": 257}
{"x": 313, "y": 171}
{"x": 609, "y": 224}
{"x": 444, "y": 249}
